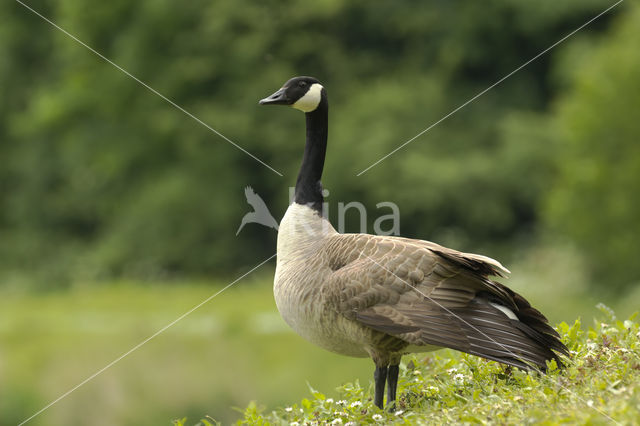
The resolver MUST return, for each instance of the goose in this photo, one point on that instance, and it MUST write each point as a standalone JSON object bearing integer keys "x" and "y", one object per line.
{"x": 382, "y": 297}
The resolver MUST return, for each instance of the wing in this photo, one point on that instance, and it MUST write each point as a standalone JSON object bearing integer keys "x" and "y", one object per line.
{"x": 426, "y": 294}
{"x": 254, "y": 200}
{"x": 250, "y": 194}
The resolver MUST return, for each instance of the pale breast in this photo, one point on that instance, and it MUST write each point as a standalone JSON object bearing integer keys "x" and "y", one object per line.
{"x": 301, "y": 272}
{"x": 305, "y": 309}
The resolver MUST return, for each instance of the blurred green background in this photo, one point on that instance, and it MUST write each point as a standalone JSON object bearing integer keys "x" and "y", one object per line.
{"x": 118, "y": 212}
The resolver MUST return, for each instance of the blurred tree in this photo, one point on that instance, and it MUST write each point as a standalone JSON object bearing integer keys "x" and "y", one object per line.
{"x": 100, "y": 177}
{"x": 594, "y": 199}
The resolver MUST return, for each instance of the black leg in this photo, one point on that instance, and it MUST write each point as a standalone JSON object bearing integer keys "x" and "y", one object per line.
{"x": 379, "y": 377}
{"x": 392, "y": 379}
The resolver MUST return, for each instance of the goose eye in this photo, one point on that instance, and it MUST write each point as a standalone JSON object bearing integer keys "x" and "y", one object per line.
{"x": 302, "y": 83}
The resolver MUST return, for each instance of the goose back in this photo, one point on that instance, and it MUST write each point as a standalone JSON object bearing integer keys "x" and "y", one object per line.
{"x": 360, "y": 294}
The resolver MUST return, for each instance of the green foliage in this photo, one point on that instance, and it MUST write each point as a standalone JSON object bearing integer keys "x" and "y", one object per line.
{"x": 222, "y": 355}
{"x": 601, "y": 383}
{"x": 231, "y": 350}
{"x": 594, "y": 198}
{"x": 100, "y": 178}
{"x": 206, "y": 421}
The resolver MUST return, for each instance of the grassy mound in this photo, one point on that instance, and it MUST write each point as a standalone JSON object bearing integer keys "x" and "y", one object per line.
{"x": 600, "y": 385}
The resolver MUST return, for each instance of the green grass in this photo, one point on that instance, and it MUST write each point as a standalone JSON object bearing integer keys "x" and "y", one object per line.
{"x": 233, "y": 350}
{"x": 600, "y": 385}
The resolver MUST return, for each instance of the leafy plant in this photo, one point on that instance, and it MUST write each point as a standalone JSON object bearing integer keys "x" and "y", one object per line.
{"x": 601, "y": 382}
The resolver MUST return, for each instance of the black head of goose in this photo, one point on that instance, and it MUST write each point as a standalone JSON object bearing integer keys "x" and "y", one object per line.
{"x": 381, "y": 296}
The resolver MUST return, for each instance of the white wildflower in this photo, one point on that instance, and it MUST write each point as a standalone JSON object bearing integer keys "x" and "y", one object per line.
{"x": 399, "y": 413}
{"x": 376, "y": 417}
{"x": 350, "y": 424}
{"x": 330, "y": 400}
{"x": 337, "y": 421}
{"x": 294, "y": 424}
{"x": 458, "y": 378}
{"x": 342, "y": 402}
{"x": 288, "y": 409}
{"x": 416, "y": 372}
{"x": 433, "y": 389}
{"x": 356, "y": 404}
{"x": 452, "y": 370}
{"x": 590, "y": 403}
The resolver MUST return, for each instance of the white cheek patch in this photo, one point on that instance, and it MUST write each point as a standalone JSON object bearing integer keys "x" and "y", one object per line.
{"x": 310, "y": 100}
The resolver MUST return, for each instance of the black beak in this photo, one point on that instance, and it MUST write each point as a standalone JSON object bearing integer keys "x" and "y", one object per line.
{"x": 278, "y": 98}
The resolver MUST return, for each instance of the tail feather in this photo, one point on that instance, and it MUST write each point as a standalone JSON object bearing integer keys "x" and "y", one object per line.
{"x": 526, "y": 342}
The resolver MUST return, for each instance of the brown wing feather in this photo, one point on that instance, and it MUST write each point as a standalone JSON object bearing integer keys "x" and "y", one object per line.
{"x": 426, "y": 294}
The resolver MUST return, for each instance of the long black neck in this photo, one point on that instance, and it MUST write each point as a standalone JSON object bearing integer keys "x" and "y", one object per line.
{"x": 308, "y": 187}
